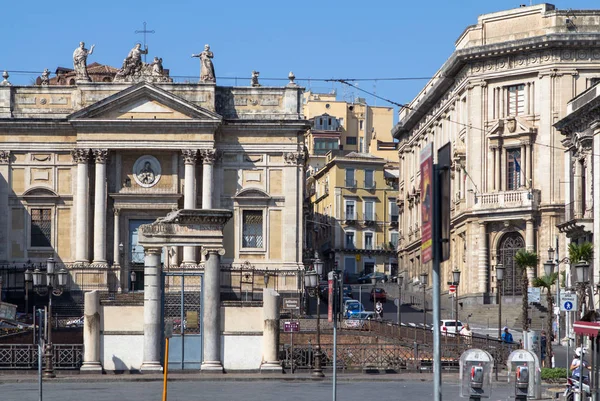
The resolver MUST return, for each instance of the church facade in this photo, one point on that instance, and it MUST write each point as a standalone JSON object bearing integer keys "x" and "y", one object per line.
{"x": 83, "y": 166}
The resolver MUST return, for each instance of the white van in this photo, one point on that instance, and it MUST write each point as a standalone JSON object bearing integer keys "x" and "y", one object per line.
{"x": 447, "y": 327}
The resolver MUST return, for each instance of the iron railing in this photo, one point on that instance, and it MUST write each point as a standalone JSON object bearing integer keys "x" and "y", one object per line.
{"x": 25, "y": 356}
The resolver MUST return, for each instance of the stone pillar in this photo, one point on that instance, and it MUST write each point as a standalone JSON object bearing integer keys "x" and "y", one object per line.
{"x": 152, "y": 311}
{"x": 577, "y": 189}
{"x": 482, "y": 271}
{"x": 208, "y": 159}
{"x": 524, "y": 170}
{"x": 189, "y": 196}
{"x": 588, "y": 165}
{"x": 494, "y": 149}
{"x": 270, "y": 360}
{"x": 529, "y": 235}
{"x": 81, "y": 157}
{"x": 499, "y": 168}
{"x": 100, "y": 155}
{"x": 529, "y": 165}
{"x": 116, "y": 237}
{"x": 212, "y": 311}
{"x": 5, "y": 190}
{"x": 91, "y": 333}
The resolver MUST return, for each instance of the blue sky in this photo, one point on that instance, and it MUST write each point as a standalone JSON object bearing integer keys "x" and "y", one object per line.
{"x": 314, "y": 39}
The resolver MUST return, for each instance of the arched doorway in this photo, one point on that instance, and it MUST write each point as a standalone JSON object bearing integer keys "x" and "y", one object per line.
{"x": 509, "y": 245}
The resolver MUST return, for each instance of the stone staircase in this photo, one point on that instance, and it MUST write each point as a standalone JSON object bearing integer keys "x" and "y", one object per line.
{"x": 487, "y": 315}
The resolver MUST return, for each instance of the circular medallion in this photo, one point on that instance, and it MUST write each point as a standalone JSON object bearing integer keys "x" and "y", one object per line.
{"x": 146, "y": 171}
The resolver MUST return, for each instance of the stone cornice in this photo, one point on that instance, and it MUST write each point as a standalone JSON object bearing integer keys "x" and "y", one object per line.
{"x": 531, "y": 52}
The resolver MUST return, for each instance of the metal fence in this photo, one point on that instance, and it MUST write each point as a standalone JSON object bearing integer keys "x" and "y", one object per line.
{"x": 25, "y": 356}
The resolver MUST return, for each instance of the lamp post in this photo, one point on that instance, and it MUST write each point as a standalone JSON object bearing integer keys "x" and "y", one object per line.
{"x": 45, "y": 283}
{"x": 499, "y": 278}
{"x": 311, "y": 282}
{"x": 582, "y": 270}
{"x": 423, "y": 278}
{"x": 548, "y": 270}
{"x": 399, "y": 317}
{"x": 28, "y": 281}
{"x": 456, "y": 282}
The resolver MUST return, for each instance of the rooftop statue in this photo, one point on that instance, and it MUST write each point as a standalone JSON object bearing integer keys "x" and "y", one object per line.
{"x": 207, "y": 70}
{"x": 135, "y": 70}
{"x": 80, "y": 56}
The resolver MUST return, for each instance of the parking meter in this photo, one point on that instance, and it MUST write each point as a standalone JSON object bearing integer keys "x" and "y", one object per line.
{"x": 476, "y": 368}
{"x": 524, "y": 370}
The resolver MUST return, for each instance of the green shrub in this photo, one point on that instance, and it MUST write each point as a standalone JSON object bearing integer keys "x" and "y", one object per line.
{"x": 554, "y": 373}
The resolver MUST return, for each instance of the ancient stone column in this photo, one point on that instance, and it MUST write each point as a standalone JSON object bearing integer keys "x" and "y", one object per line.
{"x": 152, "y": 311}
{"x": 212, "y": 311}
{"x": 208, "y": 159}
{"x": 530, "y": 246}
{"x": 270, "y": 331}
{"x": 578, "y": 189}
{"x": 100, "y": 155}
{"x": 81, "y": 157}
{"x": 5, "y": 190}
{"x": 189, "y": 196}
{"x": 91, "y": 333}
{"x": 482, "y": 269}
{"x": 116, "y": 237}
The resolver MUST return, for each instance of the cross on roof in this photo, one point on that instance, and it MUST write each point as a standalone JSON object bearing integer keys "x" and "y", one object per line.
{"x": 144, "y": 31}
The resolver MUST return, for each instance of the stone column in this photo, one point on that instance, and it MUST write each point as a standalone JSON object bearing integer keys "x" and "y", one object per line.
{"x": 530, "y": 246}
{"x": 152, "y": 311}
{"x": 494, "y": 149}
{"x": 529, "y": 165}
{"x": 270, "y": 360}
{"x": 524, "y": 170}
{"x": 189, "y": 196}
{"x": 499, "y": 168}
{"x": 116, "y": 237}
{"x": 100, "y": 155}
{"x": 81, "y": 157}
{"x": 212, "y": 311}
{"x": 5, "y": 190}
{"x": 208, "y": 159}
{"x": 91, "y": 333}
{"x": 482, "y": 271}
{"x": 578, "y": 189}
{"x": 588, "y": 165}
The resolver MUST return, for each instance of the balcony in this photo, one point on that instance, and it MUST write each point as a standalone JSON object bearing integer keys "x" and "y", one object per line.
{"x": 370, "y": 219}
{"x": 350, "y": 184}
{"x": 350, "y": 218}
{"x": 520, "y": 200}
{"x": 369, "y": 185}
{"x": 578, "y": 221}
{"x": 394, "y": 220}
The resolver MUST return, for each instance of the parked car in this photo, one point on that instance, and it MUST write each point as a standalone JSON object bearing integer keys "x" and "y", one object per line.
{"x": 447, "y": 326}
{"x": 75, "y": 322}
{"x": 378, "y": 294}
{"x": 367, "y": 278}
{"x": 358, "y": 320}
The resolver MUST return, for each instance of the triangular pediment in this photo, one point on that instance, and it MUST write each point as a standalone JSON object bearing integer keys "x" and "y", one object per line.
{"x": 143, "y": 102}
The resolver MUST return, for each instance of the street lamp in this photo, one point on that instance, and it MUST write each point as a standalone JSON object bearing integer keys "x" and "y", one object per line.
{"x": 28, "y": 282}
{"x": 423, "y": 277}
{"x": 399, "y": 317}
{"x": 499, "y": 277}
{"x": 456, "y": 282}
{"x": 44, "y": 283}
{"x": 133, "y": 278}
{"x": 311, "y": 282}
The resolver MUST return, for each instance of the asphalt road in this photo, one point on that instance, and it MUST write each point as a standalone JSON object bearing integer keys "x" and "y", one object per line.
{"x": 236, "y": 390}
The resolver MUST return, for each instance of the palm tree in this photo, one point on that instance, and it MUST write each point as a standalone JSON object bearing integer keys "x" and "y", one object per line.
{"x": 583, "y": 251}
{"x": 525, "y": 259}
{"x": 546, "y": 283}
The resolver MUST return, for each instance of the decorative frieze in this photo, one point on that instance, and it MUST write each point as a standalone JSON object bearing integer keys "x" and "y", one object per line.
{"x": 80, "y": 156}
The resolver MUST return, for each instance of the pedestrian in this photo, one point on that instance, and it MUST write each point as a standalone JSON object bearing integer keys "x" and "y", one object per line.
{"x": 379, "y": 310}
{"x": 467, "y": 334}
{"x": 543, "y": 344}
{"x": 506, "y": 336}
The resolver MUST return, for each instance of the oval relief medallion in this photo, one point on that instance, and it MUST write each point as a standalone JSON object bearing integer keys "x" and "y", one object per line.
{"x": 146, "y": 171}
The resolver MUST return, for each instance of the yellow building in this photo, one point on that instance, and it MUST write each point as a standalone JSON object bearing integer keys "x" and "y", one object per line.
{"x": 354, "y": 221}
{"x": 349, "y": 126}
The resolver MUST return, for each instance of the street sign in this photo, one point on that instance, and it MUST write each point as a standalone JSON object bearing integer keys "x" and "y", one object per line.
{"x": 291, "y": 327}
{"x": 396, "y": 301}
{"x": 568, "y": 302}
{"x": 291, "y": 303}
{"x": 451, "y": 289}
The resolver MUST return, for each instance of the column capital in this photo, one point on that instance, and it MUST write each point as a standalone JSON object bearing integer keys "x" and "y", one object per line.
{"x": 5, "y": 156}
{"x": 190, "y": 156}
{"x": 80, "y": 156}
{"x": 296, "y": 158}
{"x": 152, "y": 251}
{"x": 100, "y": 155}
{"x": 208, "y": 155}
{"x": 117, "y": 211}
{"x": 207, "y": 251}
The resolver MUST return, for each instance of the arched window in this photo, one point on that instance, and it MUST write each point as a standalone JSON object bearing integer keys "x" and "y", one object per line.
{"x": 509, "y": 245}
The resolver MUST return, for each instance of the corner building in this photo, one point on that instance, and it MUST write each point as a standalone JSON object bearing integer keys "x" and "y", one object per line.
{"x": 495, "y": 100}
